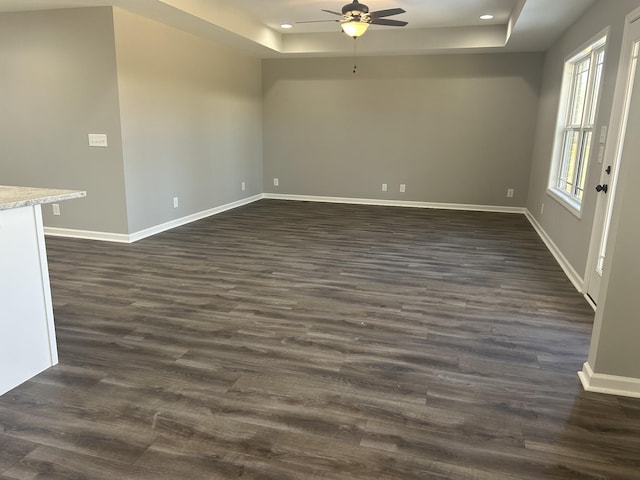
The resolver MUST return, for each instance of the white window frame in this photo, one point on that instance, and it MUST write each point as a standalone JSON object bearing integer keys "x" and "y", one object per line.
{"x": 584, "y": 129}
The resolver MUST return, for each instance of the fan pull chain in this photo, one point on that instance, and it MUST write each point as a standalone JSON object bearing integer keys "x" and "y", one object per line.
{"x": 355, "y": 54}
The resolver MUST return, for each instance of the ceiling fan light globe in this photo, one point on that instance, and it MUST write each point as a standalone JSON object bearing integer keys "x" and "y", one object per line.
{"x": 354, "y": 28}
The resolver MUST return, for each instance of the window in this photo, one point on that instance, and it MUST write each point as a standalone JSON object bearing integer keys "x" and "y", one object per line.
{"x": 580, "y": 92}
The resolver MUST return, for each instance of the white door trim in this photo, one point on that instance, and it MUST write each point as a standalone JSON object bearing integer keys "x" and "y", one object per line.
{"x": 614, "y": 143}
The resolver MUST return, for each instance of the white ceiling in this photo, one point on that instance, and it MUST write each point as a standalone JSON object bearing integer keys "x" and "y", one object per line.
{"x": 435, "y": 26}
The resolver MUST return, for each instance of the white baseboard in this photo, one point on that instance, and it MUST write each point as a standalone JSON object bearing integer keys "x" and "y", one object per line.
{"x": 590, "y": 301}
{"x": 163, "y": 227}
{"x": 134, "y": 237}
{"x": 395, "y": 203}
{"x": 609, "y": 384}
{"x": 572, "y": 275}
{"x": 87, "y": 235}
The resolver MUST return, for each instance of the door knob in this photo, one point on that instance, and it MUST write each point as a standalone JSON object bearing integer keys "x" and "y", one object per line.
{"x": 602, "y": 188}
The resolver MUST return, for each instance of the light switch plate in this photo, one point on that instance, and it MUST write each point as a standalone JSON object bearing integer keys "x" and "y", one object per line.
{"x": 98, "y": 140}
{"x": 603, "y": 134}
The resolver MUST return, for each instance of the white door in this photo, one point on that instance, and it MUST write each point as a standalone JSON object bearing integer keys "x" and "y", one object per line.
{"x": 610, "y": 166}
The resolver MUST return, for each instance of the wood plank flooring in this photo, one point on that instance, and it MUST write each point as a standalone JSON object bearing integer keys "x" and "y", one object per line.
{"x": 292, "y": 340}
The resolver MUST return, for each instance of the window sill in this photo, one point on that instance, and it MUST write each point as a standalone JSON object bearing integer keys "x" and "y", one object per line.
{"x": 567, "y": 202}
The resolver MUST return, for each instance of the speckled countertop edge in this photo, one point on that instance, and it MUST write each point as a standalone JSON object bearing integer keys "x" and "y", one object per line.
{"x": 16, "y": 197}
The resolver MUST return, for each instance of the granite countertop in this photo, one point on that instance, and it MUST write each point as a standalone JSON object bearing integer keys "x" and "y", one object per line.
{"x": 15, "y": 197}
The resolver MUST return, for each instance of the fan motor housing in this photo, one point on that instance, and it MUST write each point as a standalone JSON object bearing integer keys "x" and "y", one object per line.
{"x": 355, "y": 8}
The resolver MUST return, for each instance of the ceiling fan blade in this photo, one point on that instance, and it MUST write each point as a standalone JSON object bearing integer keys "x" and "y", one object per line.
{"x": 332, "y": 12}
{"x": 319, "y": 21}
{"x": 387, "y": 13}
{"x": 390, "y": 23}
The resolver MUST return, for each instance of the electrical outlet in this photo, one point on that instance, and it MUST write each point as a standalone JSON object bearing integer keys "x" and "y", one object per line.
{"x": 542, "y": 209}
{"x": 176, "y": 202}
{"x": 276, "y": 182}
{"x": 510, "y": 193}
{"x": 56, "y": 209}
{"x": 244, "y": 186}
{"x": 403, "y": 188}
{"x": 384, "y": 187}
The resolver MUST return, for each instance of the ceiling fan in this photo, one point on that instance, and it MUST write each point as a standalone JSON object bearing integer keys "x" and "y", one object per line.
{"x": 356, "y": 18}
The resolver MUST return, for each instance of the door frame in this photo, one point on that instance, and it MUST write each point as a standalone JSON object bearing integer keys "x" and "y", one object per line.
{"x": 613, "y": 147}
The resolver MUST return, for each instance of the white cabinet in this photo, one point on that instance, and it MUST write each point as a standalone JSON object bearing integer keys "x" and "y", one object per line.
{"x": 27, "y": 334}
{"x": 27, "y": 331}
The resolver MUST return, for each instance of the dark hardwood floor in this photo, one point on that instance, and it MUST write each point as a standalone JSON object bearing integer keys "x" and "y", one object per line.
{"x": 287, "y": 340}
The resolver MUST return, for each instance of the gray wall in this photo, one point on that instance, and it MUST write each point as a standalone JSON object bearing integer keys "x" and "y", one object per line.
{"x": 454, "y": 129}
{"x": 614, "y": 348}
{"x": 570, "y": 233}
{"x": 191, "y": 121}
{"x": 182, "y": 114}
{"x": 57, "y": 84}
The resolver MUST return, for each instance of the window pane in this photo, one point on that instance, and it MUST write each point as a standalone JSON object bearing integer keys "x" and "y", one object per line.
{"x": 569, "y": 159}
{"x": 580, "y": 85}
{"x": 596, "y": 87}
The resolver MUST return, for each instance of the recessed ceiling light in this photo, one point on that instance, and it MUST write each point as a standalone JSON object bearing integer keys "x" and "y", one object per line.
{"x": 286, "y": 25}
{"x": 487, "y": 16}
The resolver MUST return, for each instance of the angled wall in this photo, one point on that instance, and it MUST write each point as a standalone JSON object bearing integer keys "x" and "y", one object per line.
{"x": 191, "y": 121}
{"x": 614, "y": 346}
{"x": 182, "y": 116}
